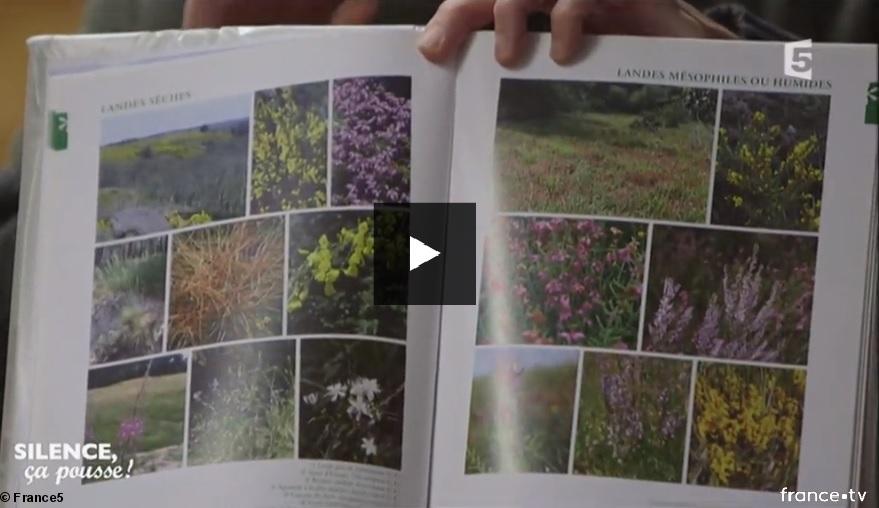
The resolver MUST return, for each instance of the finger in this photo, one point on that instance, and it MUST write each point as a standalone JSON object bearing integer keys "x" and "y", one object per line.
{"x": 510, "y": 26}
{"x": 567, "y": 20}
{"x": 355, "y": 12}
{"x": 450, "y": 26}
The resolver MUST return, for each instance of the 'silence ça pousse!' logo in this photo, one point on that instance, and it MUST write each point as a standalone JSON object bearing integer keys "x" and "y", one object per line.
{"x": 798, "y": 59}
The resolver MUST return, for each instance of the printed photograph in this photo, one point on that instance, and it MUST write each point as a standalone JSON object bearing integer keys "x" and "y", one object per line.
{"x": 289, "y": 168}
{"x": 618, "y": 149}
{"x": 729, "y": 294}
{"x": 562, "y": 281}
{"x": 521, "y": 410}
{"x": 770, "y": 160}
{"x": 372, "y": 140}
{"x": 139, "y": 407}
{"x": 632, "y": 417}
{"x": 173, "y": 167}
{"x": 746, "y": 427}
{"x": 227, "y": 283}
{"x": 128, "y": 300}
{"x": 352, "y": 401}
{"x": 331, "y": 277}
{"x": 243, "y": 403}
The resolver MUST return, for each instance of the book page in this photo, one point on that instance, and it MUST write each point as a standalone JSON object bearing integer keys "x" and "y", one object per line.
{"x": 674, "y": 243}
{"x": 204, "y": 277}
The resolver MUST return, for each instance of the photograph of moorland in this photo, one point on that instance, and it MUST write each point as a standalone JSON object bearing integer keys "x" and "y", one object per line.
{"x": 243, "y": 403}
{"x": 227, "y": 283}
{"x": 562, "y": 281}
{"x": 139, "y": 407}
{"x": 616, "y": 149}
{"x": 372, "y": 124}
{"x": 289, "y": 148}
{"x": 730, "y": 294}
{"x": 331, "y": 277}
{"x": 521, "y": 410}
{"x": 173, "y": 167}
{"x": 770, "y": 160}
{"x": 128, "y": 300}
{"x": 352, "y": 401}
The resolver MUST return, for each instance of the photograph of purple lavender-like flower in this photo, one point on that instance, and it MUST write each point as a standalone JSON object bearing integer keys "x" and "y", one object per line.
{"x": 562, "y": 281}
{"x": 139, "y": 407}
{"x": 372, "y": 123}
{"x": 729, "y": 294}
{"x": 521, "y": 410}
{"x": 632, "y": 417}
{"x": 351, "y": 406}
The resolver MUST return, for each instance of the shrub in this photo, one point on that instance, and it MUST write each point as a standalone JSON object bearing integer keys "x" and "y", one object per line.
{"x": 290, "y": 148}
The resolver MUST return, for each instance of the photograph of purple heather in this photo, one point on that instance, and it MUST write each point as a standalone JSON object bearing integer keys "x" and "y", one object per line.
{"x": 371, "y": 141}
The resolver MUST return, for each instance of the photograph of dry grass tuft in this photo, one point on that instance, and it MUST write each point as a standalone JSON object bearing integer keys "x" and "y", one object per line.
{"x": 227, "y": 283}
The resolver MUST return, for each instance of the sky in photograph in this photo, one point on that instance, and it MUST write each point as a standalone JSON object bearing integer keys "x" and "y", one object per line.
{"x": 158, "y": 120}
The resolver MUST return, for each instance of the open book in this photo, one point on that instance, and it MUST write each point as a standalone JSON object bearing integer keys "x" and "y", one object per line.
{"x": 676, "y": 287}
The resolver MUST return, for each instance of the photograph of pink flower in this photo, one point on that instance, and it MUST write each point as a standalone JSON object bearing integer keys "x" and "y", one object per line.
{"x": 521, "y": 410}
{"x": 351, "y": 406}
{"x": 139, "y": 407}
{"x": 632, "y": 417}
{"x": 562, "y": 281}
{"x": 372, "y": 124}
{"x": 729, "y": 294}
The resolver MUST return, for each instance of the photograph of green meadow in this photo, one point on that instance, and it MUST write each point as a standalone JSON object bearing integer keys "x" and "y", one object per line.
{"x": 128, "y": 300}
{"x": 730, "y": 294}
{"x": 521, "y": 410}
{"x": 632, "y": 417}
{"x": 352, "y": 401}
{"x": 562, "y": 281}
{"x": 372, "y": 124}
{"x": 770, "y": 160}
{"x": 243, "y": 403}
{"x": 289, "y": 166}
{"x": 227, "y": 283}
{"x": 746, "y": 427}
{"x": 617, "y": 149}
{"x": 139, "y": 407}
{"x": 331, "y": 277}
{"x": 173, "y": 167}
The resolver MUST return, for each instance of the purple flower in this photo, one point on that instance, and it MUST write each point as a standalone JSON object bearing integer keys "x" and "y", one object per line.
{"x": 130, "y": 429}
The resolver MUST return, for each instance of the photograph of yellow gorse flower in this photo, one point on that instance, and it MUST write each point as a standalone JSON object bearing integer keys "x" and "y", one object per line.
{"x": 746, "y": 427}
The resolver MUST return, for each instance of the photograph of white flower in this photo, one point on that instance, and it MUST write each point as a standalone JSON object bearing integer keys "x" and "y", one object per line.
{"x": 352, "y": 401}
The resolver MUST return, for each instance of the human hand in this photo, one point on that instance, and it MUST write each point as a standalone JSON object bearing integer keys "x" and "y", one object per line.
{"x": 217, "y": 13}
{"x": 570, "y": 19}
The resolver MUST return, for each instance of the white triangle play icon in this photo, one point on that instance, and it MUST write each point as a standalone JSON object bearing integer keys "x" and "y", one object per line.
{"x": 419, "y": 253}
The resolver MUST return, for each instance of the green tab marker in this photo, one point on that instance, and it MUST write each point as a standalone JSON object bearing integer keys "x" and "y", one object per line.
{"x": 872, "y": 114}
{"x": 59, "y": 131}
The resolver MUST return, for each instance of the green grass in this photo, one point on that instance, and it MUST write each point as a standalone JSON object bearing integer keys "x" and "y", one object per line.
{"x": 597, "y": 164}
{"x": 182, "y": 145}
{"x": 537, "y": 439}
{"x": 162, "y": 407}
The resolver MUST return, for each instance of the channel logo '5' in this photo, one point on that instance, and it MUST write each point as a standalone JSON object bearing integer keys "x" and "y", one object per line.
{"x": 798, "y": 59}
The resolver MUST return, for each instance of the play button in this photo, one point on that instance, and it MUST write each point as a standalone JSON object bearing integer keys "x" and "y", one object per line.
{"x": 419, "y": 253}
{"x": 439, "y": 242}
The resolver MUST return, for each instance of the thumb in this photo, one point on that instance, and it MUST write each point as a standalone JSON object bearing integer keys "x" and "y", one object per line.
{"x": 355, "y": 12}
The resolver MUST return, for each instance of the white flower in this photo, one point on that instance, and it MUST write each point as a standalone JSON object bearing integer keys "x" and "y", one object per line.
{"x": 366, "y": 388}
{"x": 336, "y": 391}
{"x": 368, "y": 446}
{"x": 357, "y": 406}
{"x": 310, "y": 399}
{"x": 215, "y": 384}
